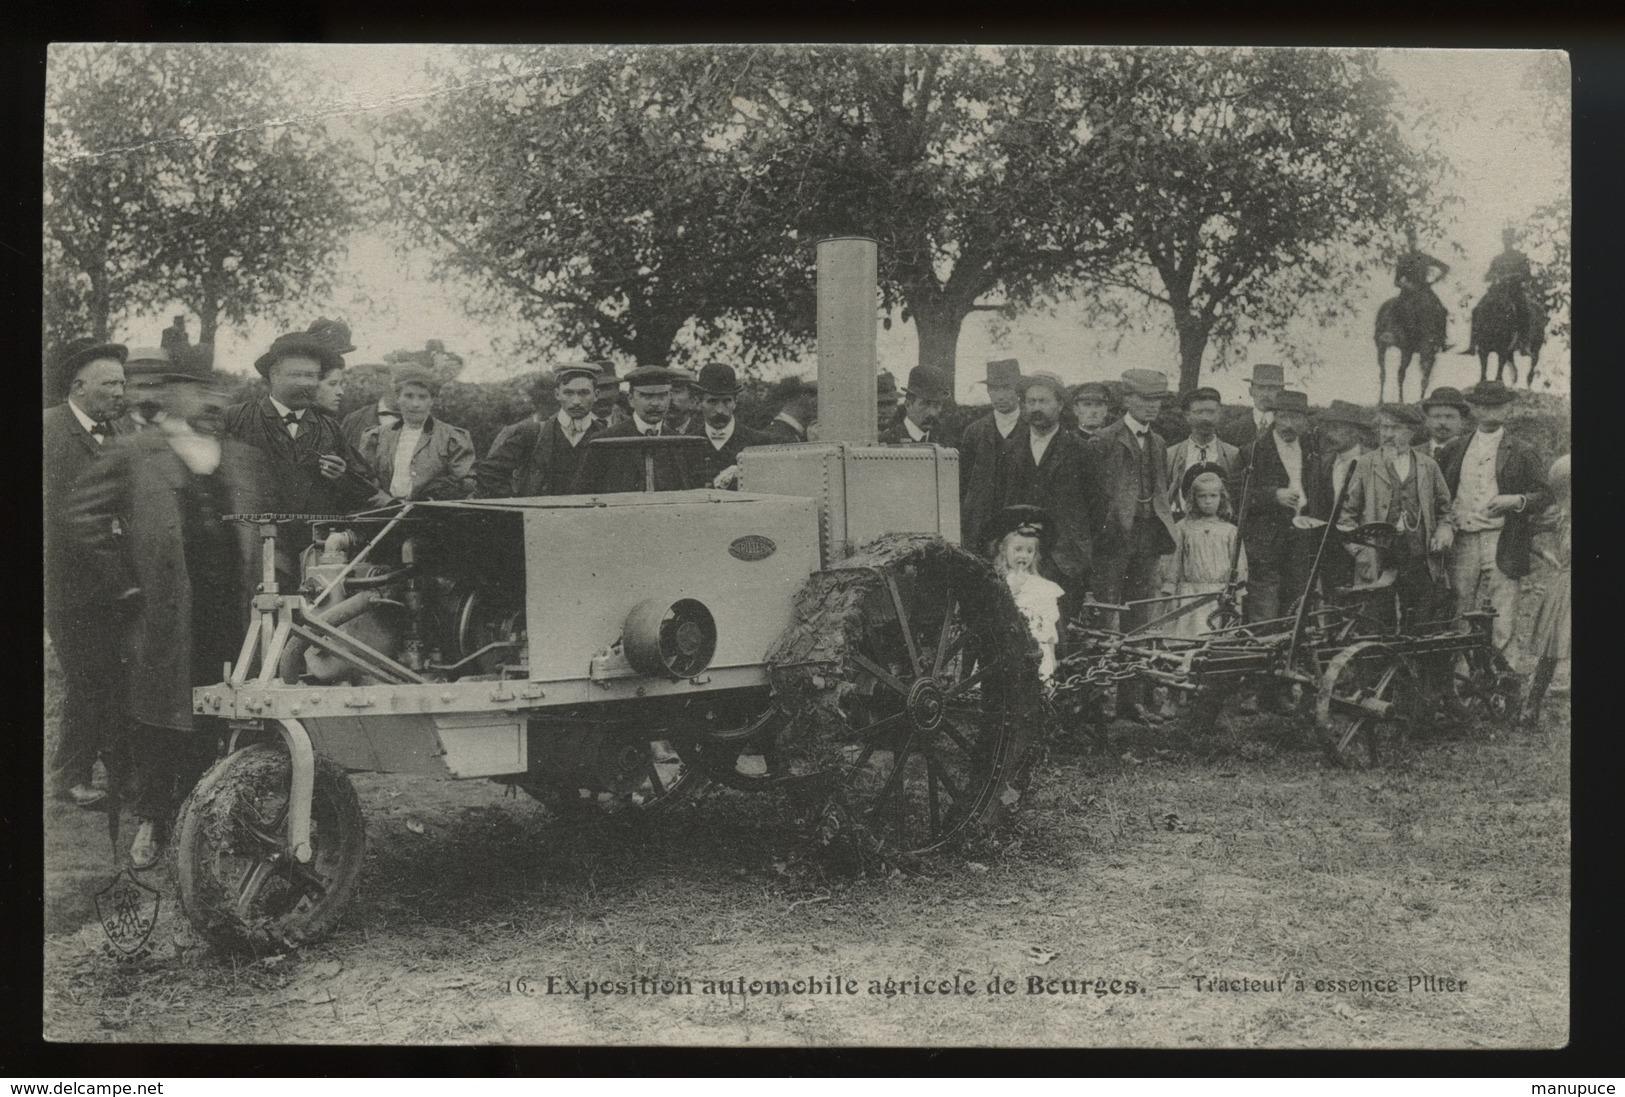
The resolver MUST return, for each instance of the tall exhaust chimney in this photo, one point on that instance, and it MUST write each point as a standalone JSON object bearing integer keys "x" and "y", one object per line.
{"x": 847, "y": 316}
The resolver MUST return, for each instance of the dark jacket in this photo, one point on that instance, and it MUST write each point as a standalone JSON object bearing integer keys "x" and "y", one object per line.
{"x": 141, "y": 480}
{"x": 1268, "y": 522}
{"x": 356, "y": 424}
{"x": 69, "y": 450}
{"x": 897, "y": 435}
{"x": 1238, "y": 428}
{"x": 1518, "y": 471}
{"x": 1117, "y": 484}
{"x": 712, "y": 461}
{"x": 296, "y": 483}
{"x": 442, "y": 462}
{"x": 779, "y": 432}
{"x": 981, "y": 449}
{"x": 1060, "y": 484}
{"x": 1318, "y": 487}
{"x": 603, "y": 470}
{"x": 522, "y": 460}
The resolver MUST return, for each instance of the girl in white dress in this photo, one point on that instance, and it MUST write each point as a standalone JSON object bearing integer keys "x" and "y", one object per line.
{"x": 1203, "y": 543}
{"x": 1036, "y": 597}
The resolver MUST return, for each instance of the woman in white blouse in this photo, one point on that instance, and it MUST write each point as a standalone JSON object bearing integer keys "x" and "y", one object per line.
{"x": 420, "y": 457}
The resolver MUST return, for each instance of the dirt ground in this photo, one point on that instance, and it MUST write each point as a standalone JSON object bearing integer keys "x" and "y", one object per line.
{"x": 1152, "y": 872}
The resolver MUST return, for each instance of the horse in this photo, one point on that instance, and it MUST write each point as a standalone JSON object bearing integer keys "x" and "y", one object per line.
{"x": 1402, "y": 322}
{"x": 1503, "y": 325}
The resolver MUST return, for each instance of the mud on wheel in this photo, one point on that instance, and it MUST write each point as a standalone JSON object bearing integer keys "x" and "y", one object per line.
{"x": 1366, "y": 702}
{"x": 913, "y": 681}
{"x": 241, "y": 887}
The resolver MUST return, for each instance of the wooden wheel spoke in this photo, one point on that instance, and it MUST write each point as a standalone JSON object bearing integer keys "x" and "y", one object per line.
{"x": 905, "y": 625}
{"x": 252, "y": 883}
{"x": 894, "y": 780}
{"x": 881, "y": 674}
{"x": 935, "y": 809}
{"x": 654, "y": 778}
{"x": 966, "y": 683}
{"x": 939, "y": 773}
{"x": 312, "y": 883}
{"x": 941, "y": 656}
{"x": 1350, "y": 730}
{"x": 953, "y": 733}
{"x": 878, "y": 724}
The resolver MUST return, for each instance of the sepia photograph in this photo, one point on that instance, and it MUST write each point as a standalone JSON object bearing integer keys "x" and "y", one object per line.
{"x": 806, "y": 546}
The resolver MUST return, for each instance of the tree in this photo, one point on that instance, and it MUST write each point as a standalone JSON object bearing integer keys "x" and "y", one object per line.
{"x": 174, "y": 173}
{"x": 962, "y": 163}
{"x": 1245, "y": 186}
{"x": 611, "y": 204}
{"x": 1547, "y": 83}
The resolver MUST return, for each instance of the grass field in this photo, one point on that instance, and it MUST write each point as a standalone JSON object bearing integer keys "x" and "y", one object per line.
{"x": 1236, "y": 857}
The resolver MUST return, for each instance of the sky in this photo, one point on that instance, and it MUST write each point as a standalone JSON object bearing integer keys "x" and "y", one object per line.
{"x": 1507, "y": 165}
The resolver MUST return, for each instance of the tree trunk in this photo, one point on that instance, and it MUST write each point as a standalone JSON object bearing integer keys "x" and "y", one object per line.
{"x": 100, "y": 321}
{"x": 937, "y": 328}
{"x": 1193, "y": 335}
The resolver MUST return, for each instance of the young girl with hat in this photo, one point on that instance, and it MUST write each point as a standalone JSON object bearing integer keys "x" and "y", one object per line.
{"x": 1205, "y": 540}
{"x": 1551, "y": 635}
{"x": 1020, "y": 532}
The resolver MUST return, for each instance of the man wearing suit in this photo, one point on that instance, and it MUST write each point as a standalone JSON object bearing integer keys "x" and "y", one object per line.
{"x": 312, "y": 469}
{"x": 78, "y": 433}
{"x": 1092, "y": 404}
{"x": 924, "y": 397}
{"x": 604, "y": 470}
{"x": 607, "y": 400}
{"x": 1201, "y": 447}
{"x": 1337, "y": 448}
{"x": 1278, "y": 553}
{"x": 1447, "y": 418}
{"x": 800, "y": 408}
{"x": 1134, "y": 527}
{"x": 683, "y": 415}
{"x": 1498, "y": 488}
{"x": 718, "y": 390}
{"x": 981, "y": 445}
{"x": 1267, "y": 382}
{"x": 542, "y": 456}
{"x": 1045, "y": 466}
{"x": 185, "y": 575}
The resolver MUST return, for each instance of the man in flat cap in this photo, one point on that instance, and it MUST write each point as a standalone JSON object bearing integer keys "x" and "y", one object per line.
{"x": 981, "y": 444}
{"x": 184, "y": 576}
{"x": 1402, "y": 488}
{"x": 1267, "y": 382}
{"x": 603, "y": 470}
{"x": 1448, "y": 417}
{"x": 799, "y": 408}
{"x": 1498, "y": 488}
{"x": 312, "y": 468}
{"x": 1278, "y": 553}
{"x": 1092, "y": 405}
{"x": 684, "y": 413}
{"x": 718, "y": 389}
{"x": 1134, "y": 526}
{"x": 542, "y": 456}
{"x": 924, "y": 398}
{"x": 1338, "y": 447}
{"x": 1202, "y": 446}
{"x": 1045, "y": 466}
{"x": 78, "y": 433}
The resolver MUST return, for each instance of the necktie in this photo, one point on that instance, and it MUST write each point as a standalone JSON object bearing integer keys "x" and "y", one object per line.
{"x": 292, "y": 419}
{"x": 1201, "y": 455}
{"x": 651, "y": 432}
{"x": 718, "y": 437}
{"x": 101, "y": 428}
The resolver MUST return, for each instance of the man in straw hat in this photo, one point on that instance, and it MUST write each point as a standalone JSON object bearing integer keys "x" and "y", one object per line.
{"x": 924, "y": 397}
{"x": 603, "y": 471}
{"x": 313, "y": 469}
{"x": 1498, "y": 488}
{"x": 541, "y": 456}
{"x": 1399, "y": 487}
{"x": 982, "y": 443}
{"x": 184, "y": 575}
{"x": 78, "y": 433}
{"x": 1135, "y": 527}
{"x": 1045, "y": 466}
{"x": 718, "y": 389}
{"x": 1279, "y": 554}
{"x": 1267, "y": 382}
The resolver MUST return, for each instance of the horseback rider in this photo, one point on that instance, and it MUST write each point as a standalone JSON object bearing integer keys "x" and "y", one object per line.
{"x": 1510, "y": 268}
{"x": 1413, "y": 274}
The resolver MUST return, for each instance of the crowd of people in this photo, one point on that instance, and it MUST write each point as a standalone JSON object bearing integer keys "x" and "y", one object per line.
{"x": 1072, "y": 492}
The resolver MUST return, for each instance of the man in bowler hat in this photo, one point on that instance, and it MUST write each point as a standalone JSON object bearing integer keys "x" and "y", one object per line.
{"x": 718, "y": 390}
{"x": 924, "y": 398}
{"x": 78, "y": 433}
{"x": 604, "y": 470}
{"x": 981, "y": 444}
{"x": 1498, "y": 488}
{"x": 1448, "y": 417}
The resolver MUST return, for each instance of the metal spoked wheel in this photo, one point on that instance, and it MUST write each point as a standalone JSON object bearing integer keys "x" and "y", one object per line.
{"x": 1483, "y": 688}
{"x": 1366, "y": 701}
{"x": 241, "y": 887}
{"x": 922, "y": 733}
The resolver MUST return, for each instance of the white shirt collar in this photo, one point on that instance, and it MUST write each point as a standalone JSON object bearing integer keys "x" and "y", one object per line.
{"x": 1135, "y": 425}
{"x": 1040, "y": 442}
{"x": 1005, "y": 423}
{"x": 1211, "y": 444}
{"x": 720, "y": 438}
{"x": 1262, "y": 419}
{"x": 78, "y": 413}
{"x": 644, "y": 426}
{"x": 914, "y": 430}
{"x": 567, "y": 424}
{"x": 282, "y": 409}
{"x": 1487, "y": 439}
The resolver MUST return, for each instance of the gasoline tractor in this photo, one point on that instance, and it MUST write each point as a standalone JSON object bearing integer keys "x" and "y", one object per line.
{"x": 818, "y": 633}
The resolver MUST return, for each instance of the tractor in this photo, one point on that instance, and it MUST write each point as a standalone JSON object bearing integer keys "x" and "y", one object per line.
{"x": 818, "y": 633}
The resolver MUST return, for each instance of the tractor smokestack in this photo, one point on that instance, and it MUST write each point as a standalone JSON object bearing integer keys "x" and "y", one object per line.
{"x": 846, "y": 340}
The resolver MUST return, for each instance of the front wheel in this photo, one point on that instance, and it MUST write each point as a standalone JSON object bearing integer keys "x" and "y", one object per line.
{"x": 241, "y": 888}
